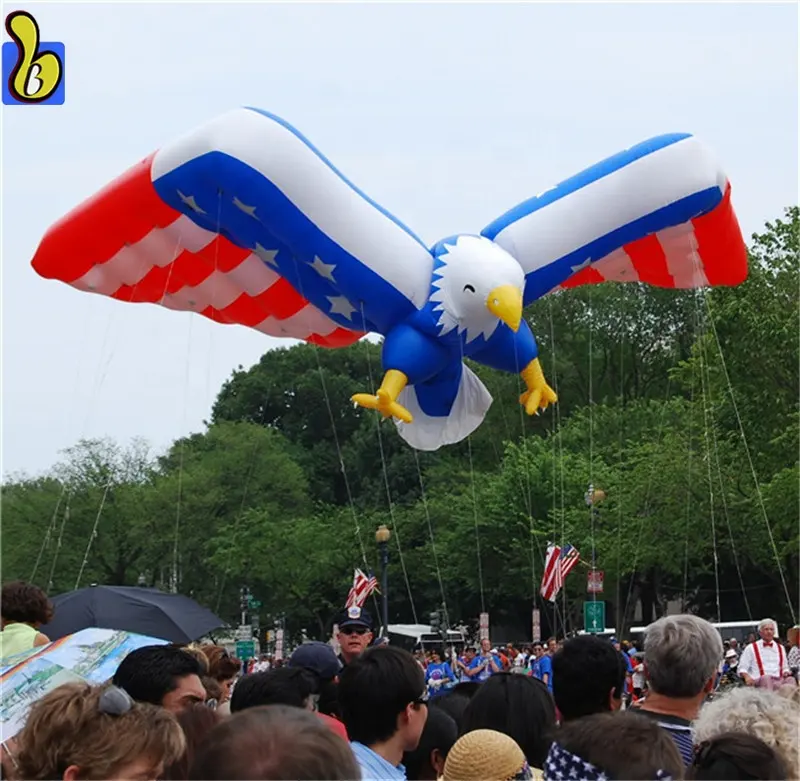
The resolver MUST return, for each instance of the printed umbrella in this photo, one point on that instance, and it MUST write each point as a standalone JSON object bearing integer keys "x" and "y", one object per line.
{"x": 146, "y": 611}
{"x": 92, "y": 655}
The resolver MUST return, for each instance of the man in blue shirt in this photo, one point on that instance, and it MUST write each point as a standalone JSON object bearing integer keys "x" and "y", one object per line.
{"x": 383, "y": 702}
{"x": 485, "y": 664}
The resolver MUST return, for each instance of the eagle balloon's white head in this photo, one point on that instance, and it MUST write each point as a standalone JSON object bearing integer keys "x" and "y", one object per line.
{"x": 477, "y": 286}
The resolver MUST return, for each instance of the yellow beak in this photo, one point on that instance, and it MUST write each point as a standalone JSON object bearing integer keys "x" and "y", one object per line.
{"x": 506, "y": 303}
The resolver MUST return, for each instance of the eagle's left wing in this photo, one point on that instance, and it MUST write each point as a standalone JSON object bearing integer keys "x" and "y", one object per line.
{"x": 658, "y": 213}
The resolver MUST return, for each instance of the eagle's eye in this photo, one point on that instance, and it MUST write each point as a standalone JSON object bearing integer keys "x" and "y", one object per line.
{"x": 470, "y": 288}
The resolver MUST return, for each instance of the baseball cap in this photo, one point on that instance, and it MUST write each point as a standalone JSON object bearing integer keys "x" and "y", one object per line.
{"x": 355, "y": 616}
{"x": 318, "y": 657}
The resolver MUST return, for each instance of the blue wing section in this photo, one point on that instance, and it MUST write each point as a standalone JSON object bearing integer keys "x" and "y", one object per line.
{"x": 252, "y": 178}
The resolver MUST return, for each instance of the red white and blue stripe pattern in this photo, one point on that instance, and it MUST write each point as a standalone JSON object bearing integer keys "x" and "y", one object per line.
{"x": 558, "y": 564}
{"x": 243, "y": 221}
{"x": 658, "y": 213}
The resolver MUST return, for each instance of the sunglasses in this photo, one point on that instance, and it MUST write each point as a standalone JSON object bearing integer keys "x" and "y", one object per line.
{"x": 115, "y": 701}
{"x": 354, "y": 630}
{"x": 422, "y": 699}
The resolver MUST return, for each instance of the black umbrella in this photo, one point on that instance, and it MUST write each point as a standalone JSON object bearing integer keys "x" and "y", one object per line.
{"x": 146, "y": 611}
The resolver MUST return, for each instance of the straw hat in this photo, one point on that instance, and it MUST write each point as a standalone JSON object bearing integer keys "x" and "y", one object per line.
{"x": 483, "y": 755}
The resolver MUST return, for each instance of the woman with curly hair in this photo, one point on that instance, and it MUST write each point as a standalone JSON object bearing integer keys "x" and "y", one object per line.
{"x": 23, "y": 609}
{"x": 760, "y": 712}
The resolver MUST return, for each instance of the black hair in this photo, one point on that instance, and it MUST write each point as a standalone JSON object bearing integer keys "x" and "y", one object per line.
{"x": 25, "y": 603}
{"x": 440, "y": 733}
{"x": 149, "y": 673}
{"x": 453, "y": 703}
{"x": 281, "y": 686}
{"x": 586, "y": 670}
{"x": 466, "y": 689}
{"x": 375, "y": 688}
{"x": 518, "y": 706}
{"x": 736, "y": 756}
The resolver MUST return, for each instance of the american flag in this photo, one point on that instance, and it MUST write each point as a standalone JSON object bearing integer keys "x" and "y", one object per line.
{"x": 363, "y": 586}
{"x": 557, "y": 566}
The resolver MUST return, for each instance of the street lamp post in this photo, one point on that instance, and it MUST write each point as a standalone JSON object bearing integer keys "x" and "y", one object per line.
{"x": 382, "y": 536}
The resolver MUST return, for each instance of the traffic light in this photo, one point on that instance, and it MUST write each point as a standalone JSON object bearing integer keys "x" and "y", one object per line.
{"x": 436, "y": 622}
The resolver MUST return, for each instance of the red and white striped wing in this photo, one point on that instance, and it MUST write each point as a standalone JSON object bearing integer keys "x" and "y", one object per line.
{"x": 126, "y": 243}
{"x": 706, "y": 251}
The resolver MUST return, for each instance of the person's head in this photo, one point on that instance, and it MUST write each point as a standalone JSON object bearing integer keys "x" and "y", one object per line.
{"x": 437, "y": 655}
{"x": 355, "y": 632}
{"x": 382, "y": 697}
{"x": 469, "y": 654}
{"x": 197, "y": 652}
{"x": 588, "y": 677}
{"x": 551, "y": 645}
{"x": 681, "y": 657}
{"x": 321, "y": 660}
{"x": 196, "y": 722}
{"x": 520, "y": 707}
{"x": 318, "y": 657}
{"x": 793, "y": 636}
{"x": 426, "y": 761}
{"x": 486, "y": 755}
{"x": 221, "y": 666}
{"x": 161, "y": 675}
{"x": 486, "y": 645}
{"x": 291, "y": 686}
{"x": 24, "y": 603}
{"x": 618, "y": 745}
{"x": 768, "y": 629}
{"x": 93, "y": 733}
{"x": 733, "y": 643}
{"x": 759, "y": 712}
{"x": 453, "y": 703}
{"x": 273, "y": 743}
{"x": 538, "y": 649}
{"x": 214, "y": 692}
{"x": 736, "y": 757}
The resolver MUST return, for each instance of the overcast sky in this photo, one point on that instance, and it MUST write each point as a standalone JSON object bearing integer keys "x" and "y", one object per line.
{"x": 447, "y": 115}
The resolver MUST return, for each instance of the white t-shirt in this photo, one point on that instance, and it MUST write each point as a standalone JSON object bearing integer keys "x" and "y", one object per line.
{"x": 638, "y": 676}
{"x": 771, "y": 658}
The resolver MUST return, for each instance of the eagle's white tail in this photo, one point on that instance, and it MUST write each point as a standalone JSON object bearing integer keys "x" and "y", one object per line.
{"x": 467, "y": 412}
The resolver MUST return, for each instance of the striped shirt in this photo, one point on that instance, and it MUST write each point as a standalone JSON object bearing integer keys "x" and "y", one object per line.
{"x": 374, "y": 767}
{"x": 680, "y": 731}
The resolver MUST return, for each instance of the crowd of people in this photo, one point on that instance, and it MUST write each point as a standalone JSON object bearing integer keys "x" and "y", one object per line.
{"x": 375, "y": 711}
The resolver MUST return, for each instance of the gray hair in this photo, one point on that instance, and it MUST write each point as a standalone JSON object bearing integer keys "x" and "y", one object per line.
{"x": 765, "y": 622}
{"x": 682, "y": 653}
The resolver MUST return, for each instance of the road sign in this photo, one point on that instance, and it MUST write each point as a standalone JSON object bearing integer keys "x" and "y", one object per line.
{"x": 594, "y": 617}
{"x": 245, "y": 649}
{"x": 594, "y": 581}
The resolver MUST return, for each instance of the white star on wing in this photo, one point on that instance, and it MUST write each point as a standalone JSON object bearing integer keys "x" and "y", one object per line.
{"x": 267, "y": 255}
{"x": 323, "y": 269}
{"x": 341, "y": 306}
{"x": 190, "y": 201}
{"x": 248, "y": 210}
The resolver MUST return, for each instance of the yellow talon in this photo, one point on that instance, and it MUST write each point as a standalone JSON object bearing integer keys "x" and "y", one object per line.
{"x": 539, "y": 394}
{"x": 385, "y": 400}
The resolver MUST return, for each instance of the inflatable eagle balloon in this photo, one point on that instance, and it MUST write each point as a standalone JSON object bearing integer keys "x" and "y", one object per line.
{"x": 243, "y": 221}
